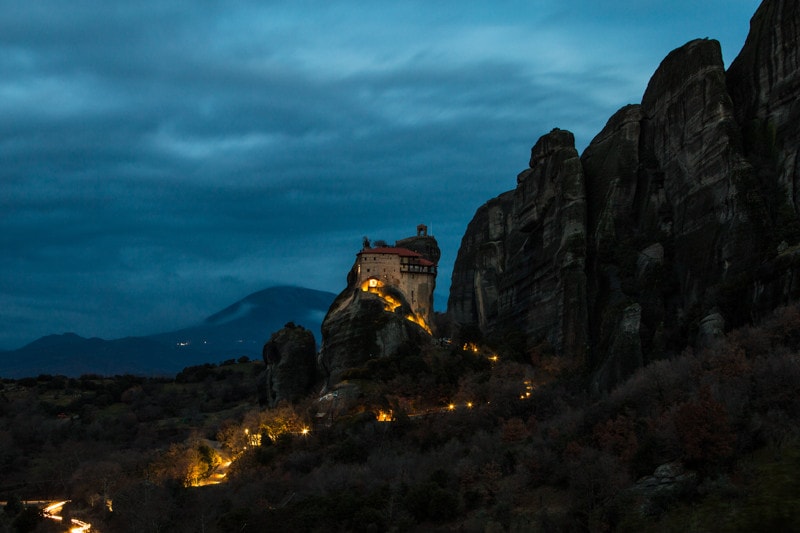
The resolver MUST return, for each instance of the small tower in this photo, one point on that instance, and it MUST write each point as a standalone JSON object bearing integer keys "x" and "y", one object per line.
{"x": 422, "y": 230}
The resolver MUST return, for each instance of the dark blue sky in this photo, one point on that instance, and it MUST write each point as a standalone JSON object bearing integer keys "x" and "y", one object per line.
{"x": 162, "y": 159}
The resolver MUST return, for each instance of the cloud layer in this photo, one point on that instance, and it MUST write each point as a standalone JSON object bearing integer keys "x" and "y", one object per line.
{"x": 162, "y": 159}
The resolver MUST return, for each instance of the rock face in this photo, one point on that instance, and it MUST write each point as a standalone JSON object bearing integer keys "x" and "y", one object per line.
{"x": 290, "y": 356}
{"x": 669, "y": 225}
{"x": 669, "y": 481}
{"x": 521, "y": 265}
{"x": 481, "y": 264}
{"x": 670, "y": 228}
{"x": 764, "y": 82}
{"x": 358, "y": 328}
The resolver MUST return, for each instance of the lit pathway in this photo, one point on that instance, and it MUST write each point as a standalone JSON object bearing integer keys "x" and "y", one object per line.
{"x": 53, "y": 512}
{"x": 218, "y": 476}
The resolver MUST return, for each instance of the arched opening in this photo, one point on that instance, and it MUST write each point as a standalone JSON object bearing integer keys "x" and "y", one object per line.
{"x": 371, "y": 284}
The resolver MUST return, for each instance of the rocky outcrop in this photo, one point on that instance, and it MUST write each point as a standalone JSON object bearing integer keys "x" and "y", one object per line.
{"x": 678, "y": 219}
{"x": 290, "y": 356}
{"x": 625, "y": 352}
{"x": 521, "y": 265}
{"x": 671, "y": 232}
{"x": 670, "y": 481}
{"x": 764, "y": 82}
{"x": 358, "y": 327}
{"x": 481, "y": 264}
{"x": 422, "y": 243}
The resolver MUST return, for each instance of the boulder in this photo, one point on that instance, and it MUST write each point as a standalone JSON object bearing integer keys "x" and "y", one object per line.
{"x": 710, "y": 330}
{"x": 669, "y": 482}
{"x": 290, "y": 356}
{"x": 625, "y": 354}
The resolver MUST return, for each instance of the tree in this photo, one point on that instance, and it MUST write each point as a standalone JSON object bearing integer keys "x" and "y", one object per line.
{"x": 703, "y": 429}
{"x": 27, "y": 520}
{"x": 143, "y": 506}
{"x": 275, "y": 422}
{"x": 94, "y": 481}
{"x": 13, "y": 506}
{"x": 182, "y": 463}
{"x": 617, "y": 436}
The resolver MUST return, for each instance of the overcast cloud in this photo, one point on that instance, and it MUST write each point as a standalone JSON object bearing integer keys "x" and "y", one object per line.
{"x": 162, "y": 159}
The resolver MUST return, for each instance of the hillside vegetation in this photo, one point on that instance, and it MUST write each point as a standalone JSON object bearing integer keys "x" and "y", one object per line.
{"x": 465, "y": 436}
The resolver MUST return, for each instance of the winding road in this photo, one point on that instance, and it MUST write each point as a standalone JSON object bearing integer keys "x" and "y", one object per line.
{"x": 53, "y": 512}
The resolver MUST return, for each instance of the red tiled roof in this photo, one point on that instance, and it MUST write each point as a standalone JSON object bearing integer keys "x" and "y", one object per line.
{"x": 402, "y": 252}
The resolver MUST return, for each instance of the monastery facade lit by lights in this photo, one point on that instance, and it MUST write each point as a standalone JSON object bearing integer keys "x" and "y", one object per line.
{"x": 408, "y": 267}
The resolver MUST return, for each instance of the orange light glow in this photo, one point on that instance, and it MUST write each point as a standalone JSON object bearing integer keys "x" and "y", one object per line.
{"x": 371, "y": 285}
{"x": 390, "y": 303}
{"x": 52, "y": 510}
{"x": 418, "y": 320}
{"x": 384, "y": 416}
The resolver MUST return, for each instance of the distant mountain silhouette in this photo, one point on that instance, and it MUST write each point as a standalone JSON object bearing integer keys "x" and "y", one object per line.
{"x": 238, "y": 330}
{"x": 244, "y": 327}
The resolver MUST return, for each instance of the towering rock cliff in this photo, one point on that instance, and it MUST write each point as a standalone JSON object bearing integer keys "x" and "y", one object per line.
{"x": 678, "y": 220}
{"x": 764, "y": 82}
{"x": 671, "y": 232}
{"x": 521, "y": 266}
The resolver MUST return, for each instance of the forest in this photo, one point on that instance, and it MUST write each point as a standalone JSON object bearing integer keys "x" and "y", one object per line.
{"x": 468, "y": 436}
